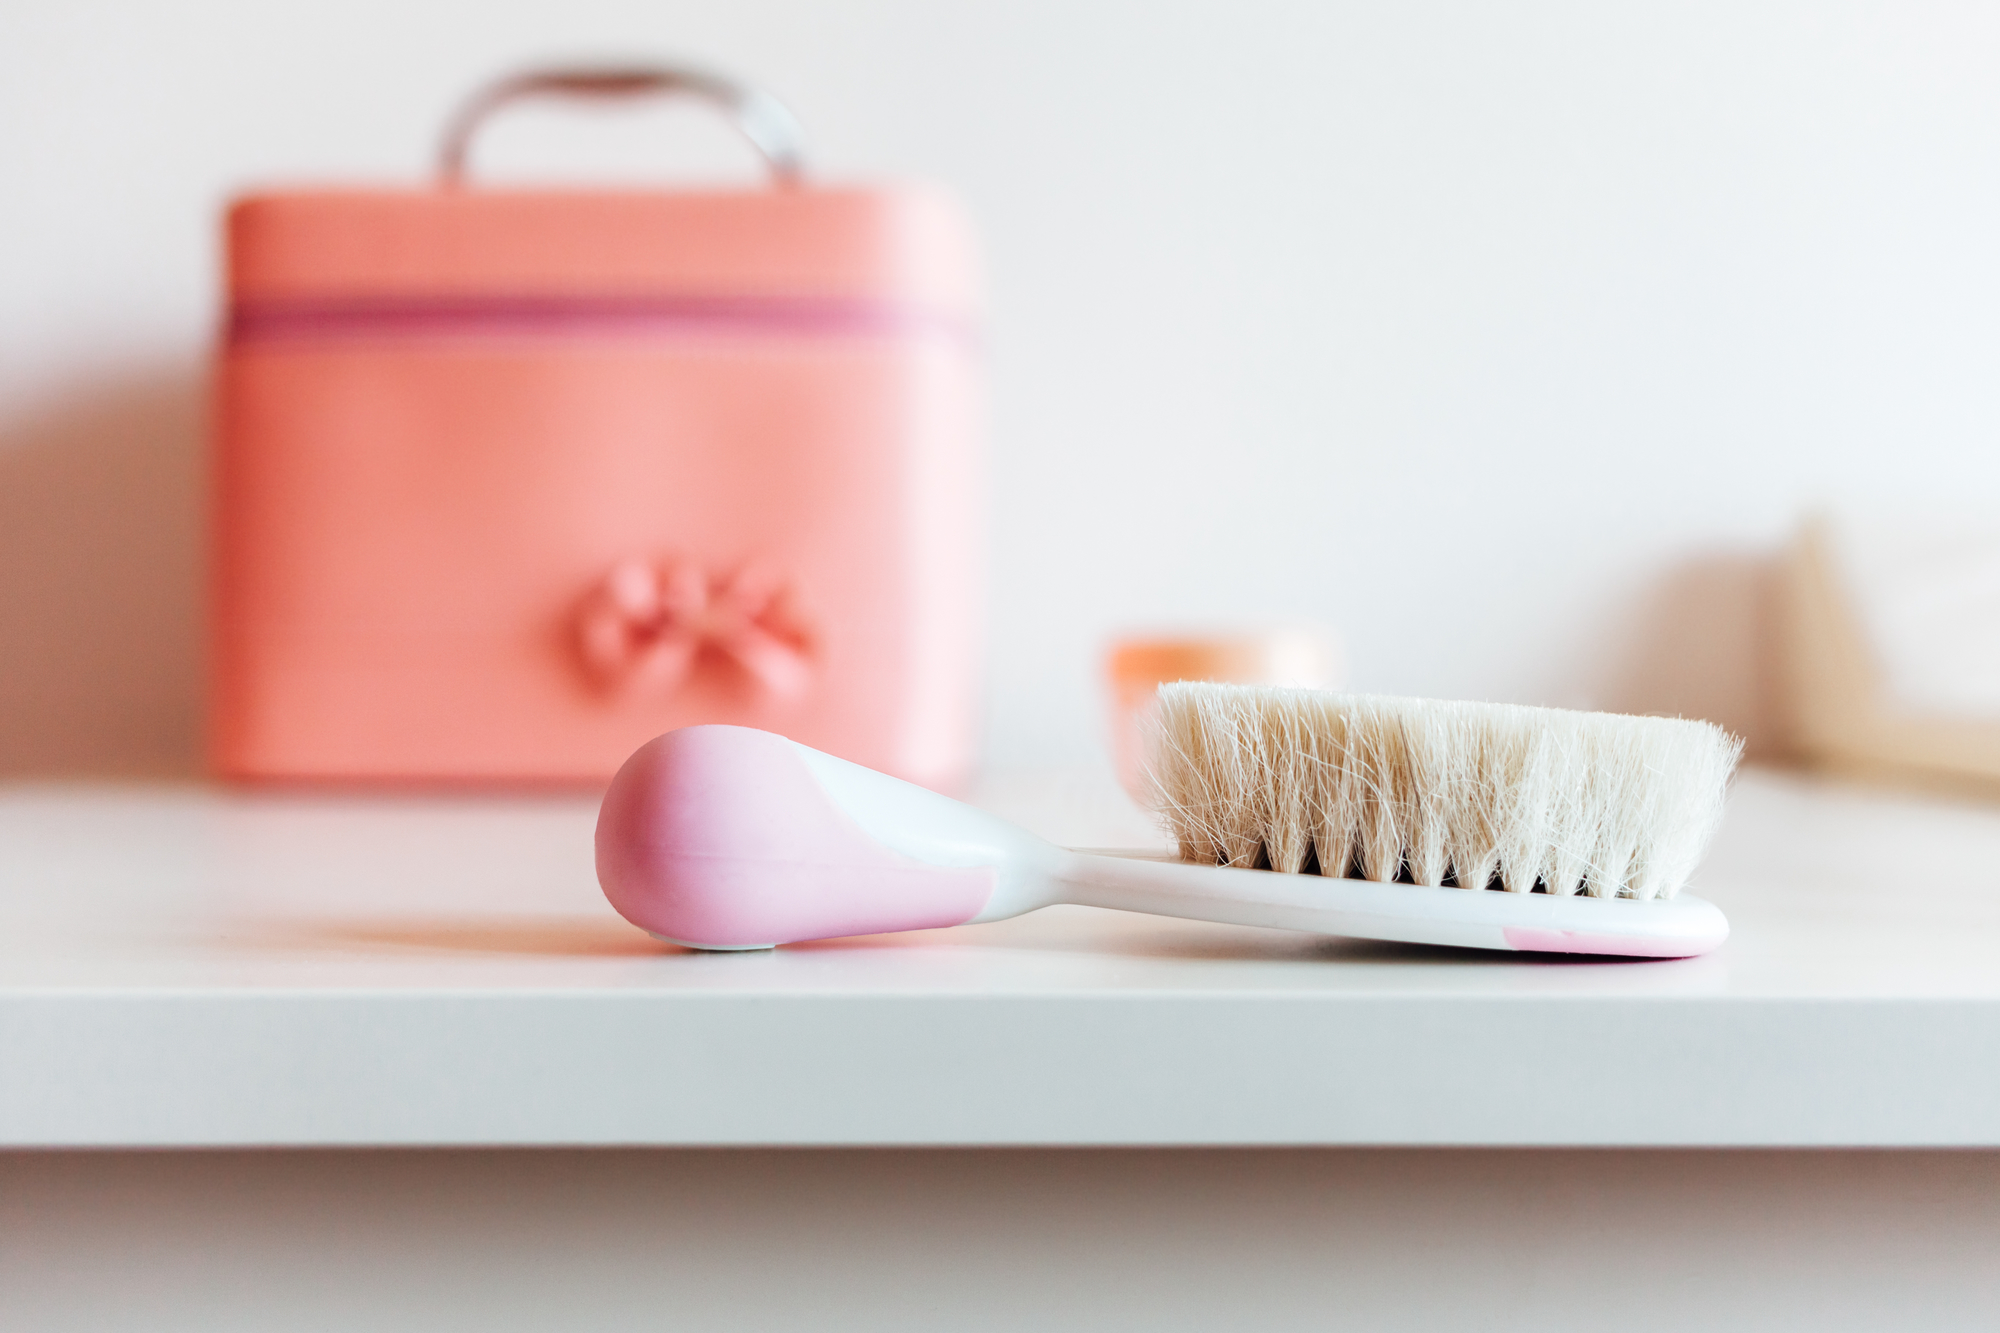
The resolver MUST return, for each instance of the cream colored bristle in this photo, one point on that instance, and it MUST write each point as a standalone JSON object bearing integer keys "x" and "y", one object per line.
{"x": 1437, "y": 792}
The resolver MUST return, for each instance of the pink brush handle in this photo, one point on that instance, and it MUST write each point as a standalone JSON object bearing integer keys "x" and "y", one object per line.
{"x": 721, "y": 838}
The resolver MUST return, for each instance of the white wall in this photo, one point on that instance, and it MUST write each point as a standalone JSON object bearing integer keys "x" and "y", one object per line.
{"x": 1506, "y": 339}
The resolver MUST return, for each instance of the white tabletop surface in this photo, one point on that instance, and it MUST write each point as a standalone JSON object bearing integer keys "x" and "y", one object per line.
{"x": 192, "y": 965}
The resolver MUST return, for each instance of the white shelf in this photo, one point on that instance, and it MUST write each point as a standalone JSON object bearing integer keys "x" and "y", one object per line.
{"x": 188, "y": 966}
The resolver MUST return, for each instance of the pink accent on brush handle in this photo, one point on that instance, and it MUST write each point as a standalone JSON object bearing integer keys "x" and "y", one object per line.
{"x": 1531, "y": 940}
{"x": 721, "y": 837}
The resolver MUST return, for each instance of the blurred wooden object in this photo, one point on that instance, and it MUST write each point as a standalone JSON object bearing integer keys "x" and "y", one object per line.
{"x": 1891, "y": 652}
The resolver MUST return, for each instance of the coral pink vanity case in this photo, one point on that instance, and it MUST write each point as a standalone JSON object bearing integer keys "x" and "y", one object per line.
{"x": 510, "y": 481}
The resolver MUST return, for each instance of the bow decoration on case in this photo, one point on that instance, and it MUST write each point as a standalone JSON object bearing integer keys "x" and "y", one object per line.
{"x": 643, "y": 628}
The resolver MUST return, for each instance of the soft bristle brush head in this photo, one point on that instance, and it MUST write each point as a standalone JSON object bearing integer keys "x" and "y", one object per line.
{"x": 1433, "y": 792}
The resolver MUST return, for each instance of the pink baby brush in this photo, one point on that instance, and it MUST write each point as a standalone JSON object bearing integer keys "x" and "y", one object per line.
{"x": 1475, "y": 825}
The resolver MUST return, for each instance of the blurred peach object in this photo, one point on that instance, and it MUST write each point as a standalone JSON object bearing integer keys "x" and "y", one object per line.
{"x": 1135, "y": 668}
{"x": 511, "y": 480}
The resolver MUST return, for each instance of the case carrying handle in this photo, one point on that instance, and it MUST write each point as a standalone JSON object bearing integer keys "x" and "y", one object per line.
{"x": 761, "y": 118}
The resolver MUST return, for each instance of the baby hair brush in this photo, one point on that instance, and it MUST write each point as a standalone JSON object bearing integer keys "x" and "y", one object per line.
{"x": 1486, "y": 826}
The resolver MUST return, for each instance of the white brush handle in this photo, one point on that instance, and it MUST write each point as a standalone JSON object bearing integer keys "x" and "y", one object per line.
{"x": 1411, "y": 913}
